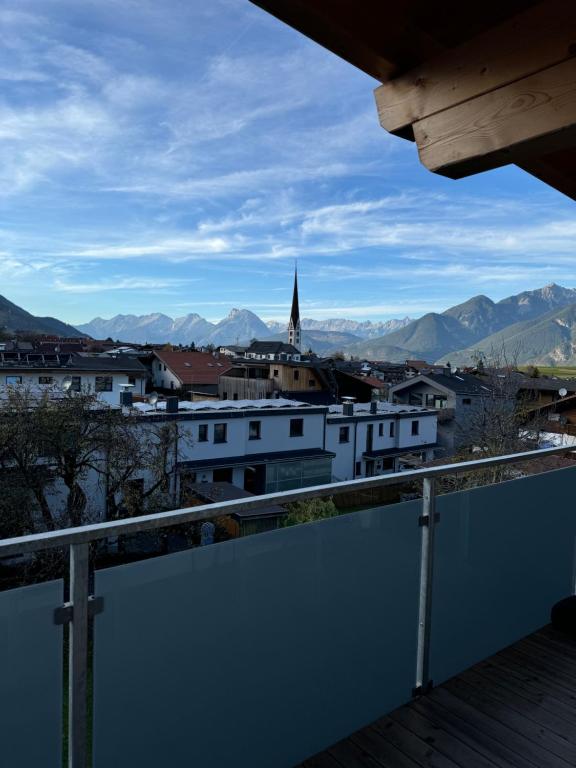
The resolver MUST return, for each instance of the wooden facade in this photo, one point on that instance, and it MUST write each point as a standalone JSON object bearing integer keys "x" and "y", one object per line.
{"x": 476, "y": 86}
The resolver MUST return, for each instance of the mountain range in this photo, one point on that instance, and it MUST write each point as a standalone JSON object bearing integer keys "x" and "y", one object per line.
{"x": 537, "y": 327}
{"x": 531, "y": 327}
{"x": 238, "y": 327}
{"x": 14, "y": 318}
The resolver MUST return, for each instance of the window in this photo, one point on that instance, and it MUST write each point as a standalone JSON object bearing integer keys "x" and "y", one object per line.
{"x": 45, "y": 379}
{"x": 275, "y": 371}
{"x": 296, "y": 427}
{"x": 12, "y": 380}
{"x": 358, "y": 468}
{"x": 381, "y": 430}
{"x": 415, "y": 427}
{"x": 466, "y": 401}
{"x": 132, "y": 380}
{"x": 311, "y": 383}
{"x": 224, "y": 395}
{"x": 76, "y": 385}
{"x": 203, "y": 433}
{"x": 223, "y": 475}
{"x": 220, "y": 433}
{"x": 103, "y": 383}
{"x": 254, "y": 430}
{"x": 344, "y": 435}
{"x": 391, "y": 429}
{"x": 296, "y": 375}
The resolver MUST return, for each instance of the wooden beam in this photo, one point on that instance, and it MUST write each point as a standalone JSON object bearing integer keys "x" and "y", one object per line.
{"x": 557, "y": 169}
{"x": 378, "y": 37}
{"x": 533, "y": 116}
{"x": 539, "y": 38}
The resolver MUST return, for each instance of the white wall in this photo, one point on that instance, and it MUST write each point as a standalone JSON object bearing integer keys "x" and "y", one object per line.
{"x": 427, "y": 431}
{"x": 343, "y": 463}
{"x": 164, "y": 379}
{"x": 87, "y": 382}
{"x": 274, "y": 430}
{"x": 343, "y": 466}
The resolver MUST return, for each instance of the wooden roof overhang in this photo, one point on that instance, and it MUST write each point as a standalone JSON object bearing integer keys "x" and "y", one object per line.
{"x": 475, "y": 85}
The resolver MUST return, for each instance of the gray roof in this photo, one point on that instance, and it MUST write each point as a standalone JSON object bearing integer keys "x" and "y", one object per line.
{"x": 547, "y": 384}
{"x": 69, "y": 361}
{"x": 215, "y": 492}
{"x": 271, "y": 348}
{"x": 460, "y": 383}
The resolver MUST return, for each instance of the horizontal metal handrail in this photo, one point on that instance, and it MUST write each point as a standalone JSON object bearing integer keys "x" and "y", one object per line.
{"x": 93, "y": 532}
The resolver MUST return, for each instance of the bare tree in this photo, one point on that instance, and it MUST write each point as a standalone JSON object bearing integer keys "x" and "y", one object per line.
{"x": 51, "y": 439}
{"x": 496, "y": 422}
{"x": 26, "y": 476}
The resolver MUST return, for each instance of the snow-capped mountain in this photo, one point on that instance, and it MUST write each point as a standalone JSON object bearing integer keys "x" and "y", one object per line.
{"x": 366, "y": 329}
{"x": 240, "y": 326}
{"x": 155, "y": 328}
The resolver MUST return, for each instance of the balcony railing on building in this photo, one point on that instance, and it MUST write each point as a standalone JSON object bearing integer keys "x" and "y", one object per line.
{"x": 261, "y": 651}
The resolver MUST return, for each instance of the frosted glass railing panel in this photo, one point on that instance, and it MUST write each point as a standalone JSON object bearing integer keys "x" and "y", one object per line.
{"x": 260, "y": 651}
{"x": 31, "y": 677}
{"x": 504, "y": 556}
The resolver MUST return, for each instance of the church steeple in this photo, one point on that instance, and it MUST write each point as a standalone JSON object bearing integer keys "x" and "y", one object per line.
{"x": 294, "y": 331}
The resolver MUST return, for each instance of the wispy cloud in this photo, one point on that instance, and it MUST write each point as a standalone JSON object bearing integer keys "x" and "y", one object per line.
{"x": 119, "y": 284}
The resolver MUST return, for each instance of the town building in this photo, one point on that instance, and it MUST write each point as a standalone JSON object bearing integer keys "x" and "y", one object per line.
{"x": 262, "y": 446}
{"x": 191, "y": 372}
{"x": 105, "y": 376}
{"x": 265, "y": 446}
{"x": 378, "y": 438}
{"x": 272, "y": 350}
{"x": 457, "y": 396}
{"x": 316, "y": 381}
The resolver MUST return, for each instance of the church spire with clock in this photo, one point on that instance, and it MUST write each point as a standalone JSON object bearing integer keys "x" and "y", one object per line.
{"x": 294, "y": 330}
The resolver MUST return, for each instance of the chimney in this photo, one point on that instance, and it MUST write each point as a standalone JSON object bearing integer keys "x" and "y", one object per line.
{"x": 348, "y": 405}
{"x": 374, "y": 406}
{"x": 448, "y": 369}
{"x": 171, "y": 405}
{"x": 126, "y": 398}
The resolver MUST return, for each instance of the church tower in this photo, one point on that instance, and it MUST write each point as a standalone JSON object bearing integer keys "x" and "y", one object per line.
{"x": 294, "y": 331}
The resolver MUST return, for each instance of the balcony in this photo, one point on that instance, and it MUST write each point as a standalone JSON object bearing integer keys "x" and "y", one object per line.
{"x": 266, "y": 650}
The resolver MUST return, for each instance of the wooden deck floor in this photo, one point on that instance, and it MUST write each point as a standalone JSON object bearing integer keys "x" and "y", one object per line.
{"x": 514, "y": 710}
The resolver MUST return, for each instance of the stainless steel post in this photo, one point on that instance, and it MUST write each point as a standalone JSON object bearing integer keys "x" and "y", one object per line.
{"x": 428, "y": 521}
{"x": 78, "y": 657}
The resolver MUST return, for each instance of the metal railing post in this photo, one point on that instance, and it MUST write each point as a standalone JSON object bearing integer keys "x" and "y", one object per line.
{"x": 427, "y": 522}
{"x": 78, "y": 657}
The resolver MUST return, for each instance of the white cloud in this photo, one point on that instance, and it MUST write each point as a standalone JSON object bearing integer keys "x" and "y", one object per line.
{"x": 119, "y": 284}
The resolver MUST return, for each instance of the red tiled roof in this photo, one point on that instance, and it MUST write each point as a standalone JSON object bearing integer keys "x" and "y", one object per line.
{"x": 372, "y": 381}
{"x": 194, "y": 367}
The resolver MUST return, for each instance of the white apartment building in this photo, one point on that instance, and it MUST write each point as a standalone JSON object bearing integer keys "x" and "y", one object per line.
{"x": 262, "y": 446}
{"x": 377, "y": 438}
{"x": 105, "y": 376}
{"x": 265, "y": 446}
{"x": 268, "y": 446}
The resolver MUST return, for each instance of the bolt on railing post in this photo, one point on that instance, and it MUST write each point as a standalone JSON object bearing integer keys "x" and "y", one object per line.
{"x": 78, "y": 657}
{"x": 428, "y": 522}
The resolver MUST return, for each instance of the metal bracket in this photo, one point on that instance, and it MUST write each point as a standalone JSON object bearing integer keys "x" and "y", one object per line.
{"x": 422, "y": 690}
{"x": 65, "y": 613}
{"x": 424, "y": 520}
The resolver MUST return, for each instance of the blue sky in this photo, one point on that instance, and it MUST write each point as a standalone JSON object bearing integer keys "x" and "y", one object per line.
{"x": 176, "y": 157}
